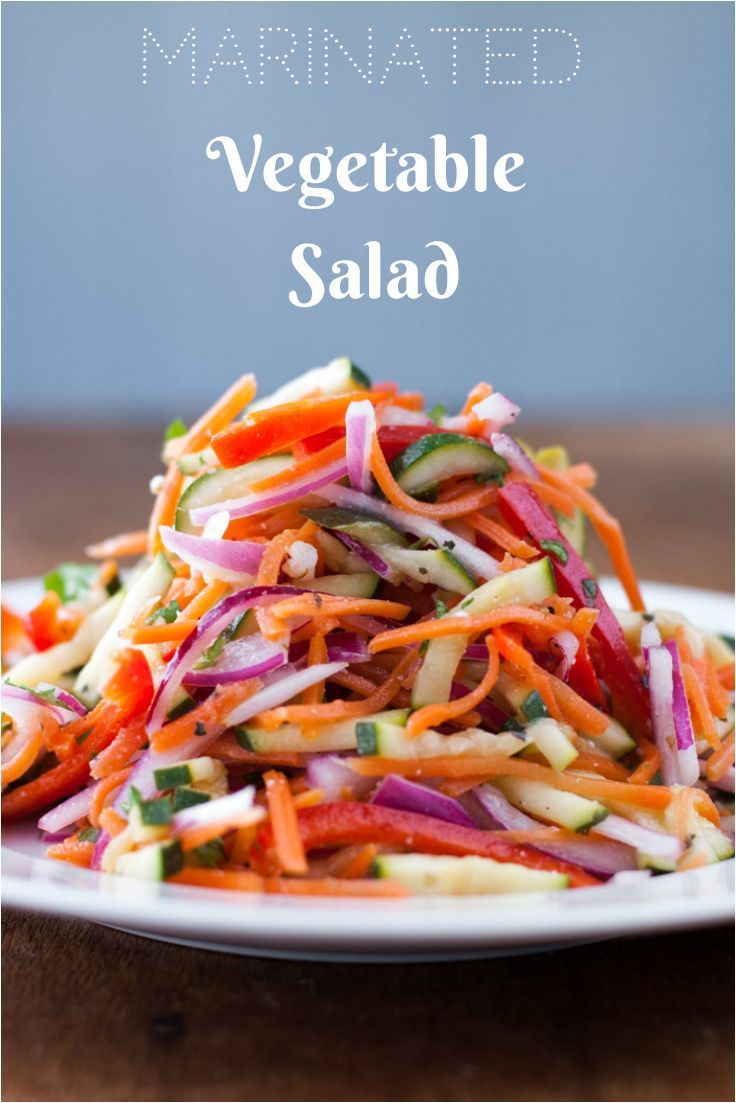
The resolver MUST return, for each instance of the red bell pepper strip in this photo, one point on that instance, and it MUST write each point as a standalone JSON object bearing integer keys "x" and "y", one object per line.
{"x": 266, "y": 431}
{"x": 527, "y": 515}
{"x": 63, "y": 780}
{"x": 350, "y": 822}
{"x": 583, "y": 679}
{"x": 395, "y": 438}
{"x": 130, "y": 688}
{"x": 48, "y": 623}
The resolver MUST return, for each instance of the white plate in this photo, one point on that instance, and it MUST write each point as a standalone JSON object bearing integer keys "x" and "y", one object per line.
{"x": 405, "y": 929}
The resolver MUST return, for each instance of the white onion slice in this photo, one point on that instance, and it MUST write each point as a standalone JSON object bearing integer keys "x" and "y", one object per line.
{"x": 497, "y": 410}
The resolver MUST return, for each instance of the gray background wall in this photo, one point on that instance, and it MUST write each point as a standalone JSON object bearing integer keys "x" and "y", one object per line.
{"x": 138, "y": 282}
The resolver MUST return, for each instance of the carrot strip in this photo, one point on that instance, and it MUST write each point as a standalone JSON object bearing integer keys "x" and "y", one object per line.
{"x": 312, "y": 462}
{"x": 334, "y": 886}
{"x": 607, "y": 528}
{"x": 127, "y": 543}
{"x": 202, "y": 834}
{"x": 683, "y": 804}
{"x": 553, "y": 496}
{"x": 23, "y": 760}
{"x": 112, "y": 822}
{"x": 467, "y": 503}
{"x": 599, "y": 764}
{"x": 200, "y": 720}
{"x": 699, "y": 704}
{"x": 340, "y": 710}
{"x": 578, "y": 712}
{"x": 164, "y": 507}
{"x": 355, "y": 863}
{"x": 287, "y": 840}
{"x": 72, "y": 850}
{"x": 582, "y": 474}
{"x": 467, "y": 626}
{"x": 234, "y": 879}
{"x": 205, "y": 599}
{"x": 162, "y": 633}
{"x": 644, "y": 773}
{"x": 432, "y": 716}
{"x": 725, "y": 675}
{"x": 121, "y": 750}
{"x": 656, "y": 797}
{"x": 501, "y": 536}
{"x": 102, "y": 792}
{"x": 720, "y": 760}
{"x": 219, "y": 415}
{"x": 717, "y": 695}
{"x": 308, "y": 798}
{"x": 318, "y": 607}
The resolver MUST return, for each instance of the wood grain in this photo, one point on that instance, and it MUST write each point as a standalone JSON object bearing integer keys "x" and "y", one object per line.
{"x": 93, "y": 1014}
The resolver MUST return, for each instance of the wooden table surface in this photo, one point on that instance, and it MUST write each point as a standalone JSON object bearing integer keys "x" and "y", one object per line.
{"x": 93, "y": 1014}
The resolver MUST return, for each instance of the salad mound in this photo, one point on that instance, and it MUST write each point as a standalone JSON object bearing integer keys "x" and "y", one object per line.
{"x": 362, "y": 653}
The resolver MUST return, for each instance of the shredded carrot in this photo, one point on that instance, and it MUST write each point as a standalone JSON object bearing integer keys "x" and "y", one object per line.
{"x": 205, "y": 599}
{"x": 112, "y": 822}
{"x": 334, "y": 886}
{"x": 354, "y": 861}
{"x": 287, "y": 840}
{"x": 206, "y": 716}
{"x": 238, "y": 880}
{"x": 725, "y": 675}
{"x": 341, "y": 710}
{"x": 582, "y": 474}
{"x": 683, "y": 804}
{"x": 227, "y": 407}
{"x": 717, "y": 695}
{"x": 501, "y": 536}
{"x": 308, "y": 798}
{"x": 468, "y": 503}
{"x": 72, "y": 850}
{"x": 319, "y": 606}
{"x": 578, "y": 712}
{"x": 432, "y": 716}
{"x": 607, "y": 528}
{"x": 467, "y": 626}
{"x": 644, "y": 773}
{"x": 202, "y": 834}
{"x": 720, "y": 761}
{"x": 175, "y": 632}
{"x": 125, "y": 744}
{"x": 127, "y": 543}
{"x": 553, "y": 496}
{"x": 23, "y": 760}
{"x": 313, "y": 462}
{"x": 103, "y": 789}
{"x": 699, "y": 704}
{"x": 642, "y": 796}
{"x": 479, "y": 391}
{"x": 600, "y": 764}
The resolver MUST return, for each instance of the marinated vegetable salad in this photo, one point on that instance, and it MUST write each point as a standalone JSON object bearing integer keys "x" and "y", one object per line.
{"x": 361, "y": 652}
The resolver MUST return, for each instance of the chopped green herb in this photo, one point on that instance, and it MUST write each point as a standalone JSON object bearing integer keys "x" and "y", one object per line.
{"x": 167, "y": 613}
{"x": 437, "y": 413}
{"x": 534, "y": 707}
{"x": 83, "y": 735}
{"x": 440, "y": 609}
{"x": 554, "y": 547}
{"x": 174, "y": 429}
{"x": 89, "y": 835}
{"x": 467, "y": 603}
{"x": 71, "y": 581}
{"x": 591, "y": 589}
{"x": 423, "y": 648}
{"x": 449, "y": 544}
{"x": 209, "y": 854}
{"x": 212, "y": 654}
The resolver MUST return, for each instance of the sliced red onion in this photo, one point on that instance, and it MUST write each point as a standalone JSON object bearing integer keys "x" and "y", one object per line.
{"x": 342, "y": 647}
{"x": 64, "y": 698}
{"x": 69, "y": 811}
{"x": 24, "y": 705}
{"x": 215, "y": 811}
{"x": 229, "y": 560}
{"x": 330, "y": 774}
{"x": 360, "y": 428}
{"x": 249, "y": 657}
{"x": 196, "y": 643}
{"x": 217, "y": 526}
{"x": 491, "y": 713}
{"x": 514, "y": 455}
{"x": 476, "y": 653}
{"x": 269, "y": 499}
{"x": 650, "y": 636}
{"x": 659, "y": 671}
{"x": 283, "y": 685}
{"x": 476, "y": 560}
{"x": 100, "y": 846}
{"x": 371, "y": 625}
{"x": 498, "y": 410}
{"x": 602, "y": 856}
{"x": 686, "y": 751}
{"x": 397, "y": 792}
{"x": 374, "y": 561}
{"x": 51, "y": 837}
{"x": 566, "y": 645}
{"x": 644, "y": 839}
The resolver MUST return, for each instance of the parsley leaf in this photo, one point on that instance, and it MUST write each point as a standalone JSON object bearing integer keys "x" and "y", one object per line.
{"x": 71, "y": 581}
{"x": 555, "y": 548}
{"x": 175, "y": 429}
{"x": 437, "y": 413}
{"x": 166, "y": 613}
